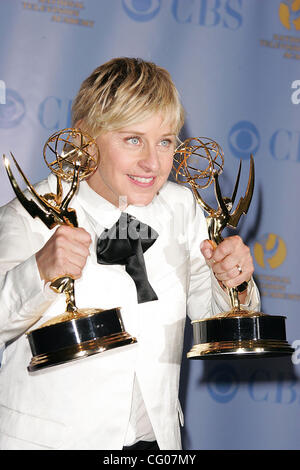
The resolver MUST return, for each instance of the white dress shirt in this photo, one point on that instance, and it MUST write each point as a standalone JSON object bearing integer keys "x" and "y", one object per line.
{"x": 139, "y": 426}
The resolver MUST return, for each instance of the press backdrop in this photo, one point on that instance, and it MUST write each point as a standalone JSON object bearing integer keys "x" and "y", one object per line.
{"x": 236, "y": 65}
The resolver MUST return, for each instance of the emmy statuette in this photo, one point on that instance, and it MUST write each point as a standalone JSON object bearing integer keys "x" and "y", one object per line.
{"x": 237, "y": 333}
{"x": 78, "y": 332}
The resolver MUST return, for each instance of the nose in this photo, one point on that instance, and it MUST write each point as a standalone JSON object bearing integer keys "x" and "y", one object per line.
{"x": 149, "y": 161}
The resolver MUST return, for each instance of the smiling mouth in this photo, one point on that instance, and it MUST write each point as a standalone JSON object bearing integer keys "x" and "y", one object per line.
{"x": 142, "y": 180}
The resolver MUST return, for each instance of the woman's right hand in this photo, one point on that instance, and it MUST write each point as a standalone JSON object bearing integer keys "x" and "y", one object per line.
{"x": 64, "y": 254}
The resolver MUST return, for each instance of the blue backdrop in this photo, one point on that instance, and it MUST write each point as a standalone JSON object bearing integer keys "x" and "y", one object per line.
{"x": 236, "y": 65}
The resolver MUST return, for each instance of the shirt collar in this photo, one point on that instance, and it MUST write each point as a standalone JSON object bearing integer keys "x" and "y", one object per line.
{"x": 99, "y": 208}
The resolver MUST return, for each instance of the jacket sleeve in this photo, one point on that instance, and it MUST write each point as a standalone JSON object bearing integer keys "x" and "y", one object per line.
{"x": 206, "y": 298}
{"x": 23, "y": 297}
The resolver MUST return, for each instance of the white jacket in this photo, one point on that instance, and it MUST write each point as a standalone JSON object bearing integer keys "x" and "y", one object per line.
{"x": 85, "y": 404}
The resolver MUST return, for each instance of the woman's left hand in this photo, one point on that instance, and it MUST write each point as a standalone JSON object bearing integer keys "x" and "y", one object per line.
{"x": 231, "y": 260}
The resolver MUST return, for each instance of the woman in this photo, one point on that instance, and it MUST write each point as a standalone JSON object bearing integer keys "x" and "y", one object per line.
{"x": 128, "y": 396}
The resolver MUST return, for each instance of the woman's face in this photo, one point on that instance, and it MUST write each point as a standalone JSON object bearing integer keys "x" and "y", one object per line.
{"x": 135, "y": 161}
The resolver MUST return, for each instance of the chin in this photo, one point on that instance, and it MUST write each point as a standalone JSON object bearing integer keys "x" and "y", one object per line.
{"x": 141, "y": 201}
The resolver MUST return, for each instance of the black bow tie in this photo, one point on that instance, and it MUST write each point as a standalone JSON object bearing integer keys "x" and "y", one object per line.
{"x": 125, "y": 243}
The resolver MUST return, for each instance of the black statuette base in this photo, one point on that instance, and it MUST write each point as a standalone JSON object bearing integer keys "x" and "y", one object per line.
{"x": 240, "y": 337}
{"x": 77, "y": 338}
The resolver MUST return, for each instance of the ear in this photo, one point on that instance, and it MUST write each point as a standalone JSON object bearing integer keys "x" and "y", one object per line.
{"x": 79, "y": 125}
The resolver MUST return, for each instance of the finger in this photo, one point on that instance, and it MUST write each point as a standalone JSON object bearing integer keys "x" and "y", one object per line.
{"x": 229, "y": 264}
{"x": 228, "y": 275}
{"x": 72, "y": 241}
{"x": 69, "y": 269}
{"x": 65, "y": 253}
{"x": 76, "y": 234}
{"x": 229, "y": 246}
{"x": 231, "y": 253}
{"x": 77, "y": 250}
{"x": 207, "y": 248}
{"x": 64, "y": 263}
{"x": 82, "y": 236}
{"x": 234, "y": 281}
{"x": 71, "y": 261}
{"x": 238, "y": 280}
{"x": 75, "y": 260}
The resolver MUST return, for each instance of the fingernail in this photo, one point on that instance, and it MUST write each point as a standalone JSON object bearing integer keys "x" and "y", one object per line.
{"x": 207, "y": 254}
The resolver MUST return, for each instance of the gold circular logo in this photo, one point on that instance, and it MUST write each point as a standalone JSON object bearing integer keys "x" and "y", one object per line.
{"x": 270, "y": 251}
{"x": 289, "y": 14}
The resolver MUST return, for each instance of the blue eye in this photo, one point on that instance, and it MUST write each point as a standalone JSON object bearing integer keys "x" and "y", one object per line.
{"x": 165, "y": 142}
{"x": 134, "y": 140}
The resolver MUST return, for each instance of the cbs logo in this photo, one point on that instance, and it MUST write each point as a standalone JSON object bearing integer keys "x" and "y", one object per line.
{"x": 223, "y": 383}
{"x": 12, "y": 109}
{"x": 141, "y": 10}
{"x": 243, "y": 139}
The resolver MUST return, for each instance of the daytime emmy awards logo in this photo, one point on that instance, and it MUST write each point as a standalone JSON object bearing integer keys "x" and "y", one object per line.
{"x": 289, "y": 14}
{"x": 270, "y": 251}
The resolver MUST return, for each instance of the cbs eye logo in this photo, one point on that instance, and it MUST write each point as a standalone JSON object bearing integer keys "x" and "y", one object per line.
{"x": 141, "y": 10}
{"x": 223, "y": 383}
{"x": 12, "y": 111}
{"x": 270, "y": 251}
{"x": 243, "y": 139}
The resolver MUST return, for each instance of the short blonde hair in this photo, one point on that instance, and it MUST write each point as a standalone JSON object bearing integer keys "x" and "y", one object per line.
{"x": 124, "y": 91}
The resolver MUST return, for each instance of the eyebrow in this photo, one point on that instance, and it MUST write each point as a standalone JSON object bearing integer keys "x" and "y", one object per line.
{"x": 143, "y": 133}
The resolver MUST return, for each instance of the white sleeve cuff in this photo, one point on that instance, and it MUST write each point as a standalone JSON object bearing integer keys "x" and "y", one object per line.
{"x": 24, "y": 299}
{"x": 32, "y": 290}
{"x": 221, "y": 301}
